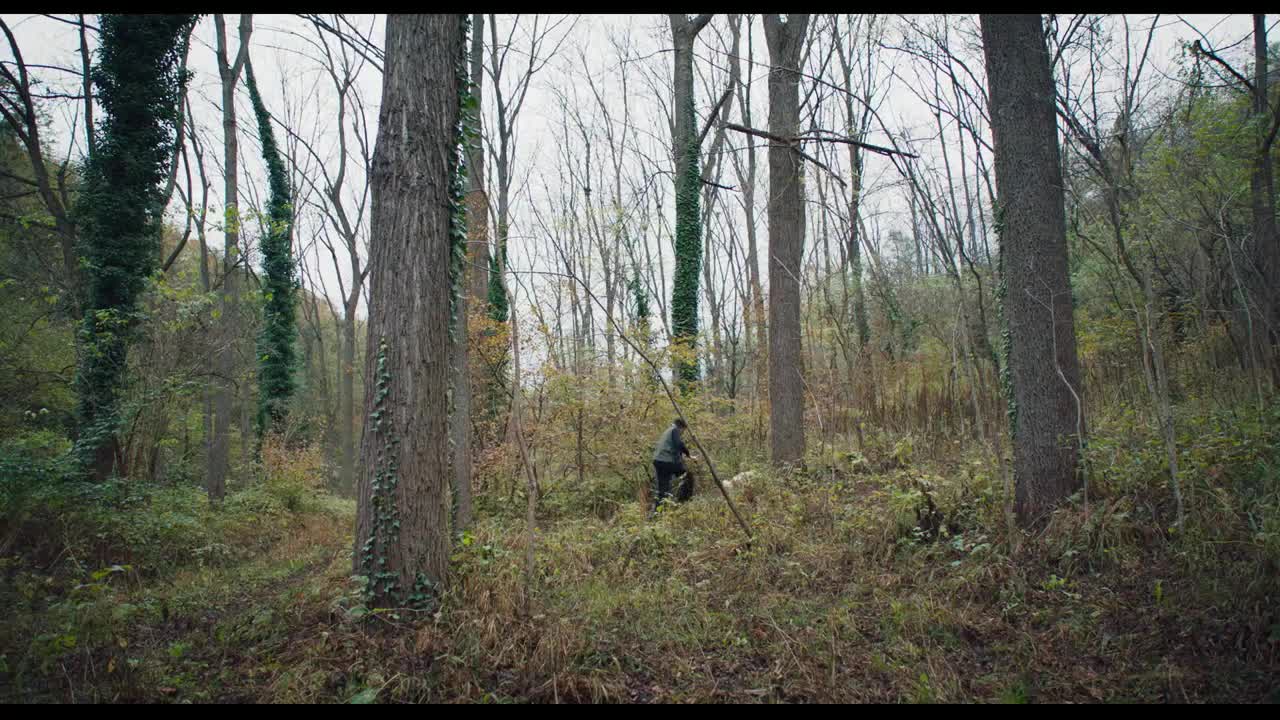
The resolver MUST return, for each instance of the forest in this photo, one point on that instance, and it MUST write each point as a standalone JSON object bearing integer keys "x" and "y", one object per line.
{"x": 719, "y": 358}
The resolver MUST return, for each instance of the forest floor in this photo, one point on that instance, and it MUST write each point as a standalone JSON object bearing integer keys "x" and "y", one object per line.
{"x": 845, "y": 594}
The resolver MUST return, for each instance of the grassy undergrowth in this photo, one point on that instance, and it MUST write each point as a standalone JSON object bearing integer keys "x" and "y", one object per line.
{"x": 852, "y": 590}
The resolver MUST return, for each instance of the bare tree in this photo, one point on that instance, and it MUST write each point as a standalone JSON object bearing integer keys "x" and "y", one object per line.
{"x": 746, "y": 173}
{"x": 858, "y": 73}
{"x": 476, "y": 286}
{"x": 786, "y": 239}
{"x": 1109, "y": 150}
{"x": 232, "y": 257}
{"x": 508, "y": 101}
{"x": 343, "y": 184}
{"x": 18, "y": 107}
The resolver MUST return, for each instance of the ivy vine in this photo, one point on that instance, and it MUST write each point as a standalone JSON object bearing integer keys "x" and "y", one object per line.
{"x": 384, "y": 530}
{"x": 684, "y": 293}
{"x": 277, "y": 354}
{"x": 138, "y": 80}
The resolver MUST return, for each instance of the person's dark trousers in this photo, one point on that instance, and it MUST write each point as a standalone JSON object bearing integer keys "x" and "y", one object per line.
{"x": 664, "y": 472}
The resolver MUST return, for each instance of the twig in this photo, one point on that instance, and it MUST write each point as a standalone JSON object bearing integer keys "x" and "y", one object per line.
{"x": 793, "y": 143}
{"x": 819, "y": 138}
{"x": 1202, "y": 50}
{"x": 832, "y": 137}
{"x": 718, "y": 185}
{"x": 706, "y": 128}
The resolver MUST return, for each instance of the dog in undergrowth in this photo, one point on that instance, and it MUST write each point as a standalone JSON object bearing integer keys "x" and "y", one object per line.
{"x": 684, "y": 491}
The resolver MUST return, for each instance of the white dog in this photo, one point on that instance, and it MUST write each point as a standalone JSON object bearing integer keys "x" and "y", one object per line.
{"x": 739, "y": 479}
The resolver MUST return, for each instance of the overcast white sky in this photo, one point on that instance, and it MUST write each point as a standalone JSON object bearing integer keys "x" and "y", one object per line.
{"x": 295, "y": 87}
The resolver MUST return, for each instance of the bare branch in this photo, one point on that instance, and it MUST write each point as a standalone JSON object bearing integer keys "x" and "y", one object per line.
{"x": 1199, "y": 48}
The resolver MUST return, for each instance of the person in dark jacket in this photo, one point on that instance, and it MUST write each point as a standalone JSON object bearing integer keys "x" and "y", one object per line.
{"x": 668, "y": 459}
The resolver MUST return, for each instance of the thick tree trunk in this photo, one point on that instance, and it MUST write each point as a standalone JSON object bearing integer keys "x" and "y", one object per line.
{"x": 402, "y": 539}
{"x": 1263, "y": 196}
{"x": 207, "y": 392}
{"x": 688, "y": 189}
{"x": 786, "y": 241}
{"x": 1042, "y": 364}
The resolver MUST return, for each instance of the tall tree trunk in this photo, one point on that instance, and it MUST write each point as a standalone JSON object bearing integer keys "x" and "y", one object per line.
{"x": 477, "y": 196}
{"x": 1043, "y": 369}
{"x": 786, "y": 240}
{"x": 229, "y": 301}
{"x": 460, "y": 417}
{"x": 856, "y": 120}
{"x": 855, "y": 250}
{"x": 277, "y": 341}
{"x": 1263, "y": 196}
{"x": 753, "y": 309}
{"x": 207, "y": 392}
{"x": 477, "y": 287}
{"x": 688, "y": 189}
{"x": 402, "y": 539}
{"x": 747, "y": 180}
{"x": 140, "y": 86}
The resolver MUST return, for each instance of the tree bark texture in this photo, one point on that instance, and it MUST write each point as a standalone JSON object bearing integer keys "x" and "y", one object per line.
{"x": 786, "y": 241}
{"x": 1263, "y": 203}
{"x": 475, "y": 290}
{"x": 402, "y": 538}
{"x": 477, "y": 196}
{"x": 688, "y": 189}
{"x": 1036, "y": 291}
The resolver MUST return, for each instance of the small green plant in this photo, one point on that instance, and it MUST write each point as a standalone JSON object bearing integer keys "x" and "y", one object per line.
{"x": 1015, "y": 694}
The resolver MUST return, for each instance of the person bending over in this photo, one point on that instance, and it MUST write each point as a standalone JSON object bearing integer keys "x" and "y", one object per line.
{"x": 668, "y": 459}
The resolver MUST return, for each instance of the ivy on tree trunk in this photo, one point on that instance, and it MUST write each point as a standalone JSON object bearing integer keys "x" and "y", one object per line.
{"x": 139, "y": 82}
{"x": 688, "y": 188}
{"x": 402, "y": 533}
{"x": 277, "y": 356}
